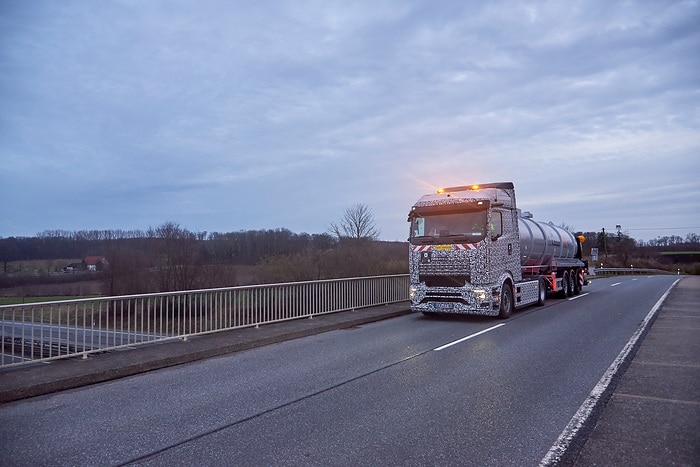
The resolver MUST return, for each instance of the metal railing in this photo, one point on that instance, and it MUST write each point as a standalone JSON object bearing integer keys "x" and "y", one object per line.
{"x": 629, "y": 271}
{"x": 50, "y": 330}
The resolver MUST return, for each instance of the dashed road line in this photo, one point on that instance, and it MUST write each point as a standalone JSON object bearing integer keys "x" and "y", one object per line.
{"x": 442, "y": 347}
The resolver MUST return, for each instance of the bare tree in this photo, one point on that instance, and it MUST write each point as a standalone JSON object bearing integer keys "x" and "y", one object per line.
{"x": 176, "y": 261}
{"x": 357, "y": 223}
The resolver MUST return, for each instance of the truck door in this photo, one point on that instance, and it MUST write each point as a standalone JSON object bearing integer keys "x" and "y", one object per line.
{"x": 504, "y": 246}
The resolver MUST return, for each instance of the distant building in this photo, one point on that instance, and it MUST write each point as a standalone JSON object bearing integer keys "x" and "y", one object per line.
{"x": 95, "y": 263}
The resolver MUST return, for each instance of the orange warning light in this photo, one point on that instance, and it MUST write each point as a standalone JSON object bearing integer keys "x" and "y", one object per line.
{"x": 475, "y": 187}
{"x": 440, "y": 191}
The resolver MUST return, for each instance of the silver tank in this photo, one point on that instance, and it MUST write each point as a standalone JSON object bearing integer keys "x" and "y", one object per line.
{"x": 541, "y": 243}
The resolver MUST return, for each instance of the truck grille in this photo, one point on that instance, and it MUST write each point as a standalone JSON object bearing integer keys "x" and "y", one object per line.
{"x": 445, "y": 265}
{"x": 444, "y": 281}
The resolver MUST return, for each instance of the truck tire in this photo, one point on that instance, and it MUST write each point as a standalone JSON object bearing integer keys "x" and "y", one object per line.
{"x": 541, "y": 291}
{"x": 507, "y": 302}
{"x": 572, "y": 282}
{"x": 564, "y": 292}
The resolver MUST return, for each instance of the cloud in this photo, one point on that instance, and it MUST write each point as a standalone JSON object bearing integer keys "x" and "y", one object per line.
{"x": 281, "y": 114}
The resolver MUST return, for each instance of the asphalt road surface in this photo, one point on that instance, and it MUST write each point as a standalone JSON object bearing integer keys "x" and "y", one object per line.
{"x": 405, "y": 391}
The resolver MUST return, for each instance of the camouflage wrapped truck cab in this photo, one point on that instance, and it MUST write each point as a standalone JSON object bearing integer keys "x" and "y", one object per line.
{"x": 465, "y": 253}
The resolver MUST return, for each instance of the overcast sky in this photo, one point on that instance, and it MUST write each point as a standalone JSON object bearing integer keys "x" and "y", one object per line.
{"x": 229, "y": 115}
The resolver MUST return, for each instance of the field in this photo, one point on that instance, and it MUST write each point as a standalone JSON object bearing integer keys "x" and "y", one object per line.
{"x": 40, "y": 265}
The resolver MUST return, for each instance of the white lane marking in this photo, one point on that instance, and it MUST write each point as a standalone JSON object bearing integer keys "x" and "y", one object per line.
{"x": 562, "y": 444}
{"x": 579, "y": 296}
{"x": 469, "y": 337}
{"x": 616, "y": 283}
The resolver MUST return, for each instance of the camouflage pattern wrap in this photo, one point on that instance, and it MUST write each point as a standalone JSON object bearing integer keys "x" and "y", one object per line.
{"x": 449, "y": 275}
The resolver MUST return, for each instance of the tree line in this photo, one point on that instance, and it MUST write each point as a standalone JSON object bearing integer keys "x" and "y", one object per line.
{"x": 243, "y": 247}
{"x": 619, "y": 250}
{"x": 170, "y": 257}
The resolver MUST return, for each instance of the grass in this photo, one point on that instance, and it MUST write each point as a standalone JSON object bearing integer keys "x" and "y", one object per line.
{"x": 21, "y": 300}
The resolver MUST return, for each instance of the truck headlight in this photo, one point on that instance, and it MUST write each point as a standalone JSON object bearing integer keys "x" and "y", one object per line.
{"x": 412, "y": 292}
{"x": 480, "y": 295}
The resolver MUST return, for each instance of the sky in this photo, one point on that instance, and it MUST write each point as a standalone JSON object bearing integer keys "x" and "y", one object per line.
{"x": 223, "y": 116}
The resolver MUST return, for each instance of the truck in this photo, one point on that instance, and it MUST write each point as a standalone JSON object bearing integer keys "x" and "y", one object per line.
{"x": 472, "y": 251}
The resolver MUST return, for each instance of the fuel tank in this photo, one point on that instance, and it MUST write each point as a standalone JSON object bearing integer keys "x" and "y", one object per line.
{"x": 541, "y": 243}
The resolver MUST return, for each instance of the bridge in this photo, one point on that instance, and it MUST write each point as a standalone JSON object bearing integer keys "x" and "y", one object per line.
{"x": 54, "y": 330}
{"x": 405, "y": 390}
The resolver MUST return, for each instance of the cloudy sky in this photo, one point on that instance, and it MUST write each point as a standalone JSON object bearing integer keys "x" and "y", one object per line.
{"x": 233, "y": 115}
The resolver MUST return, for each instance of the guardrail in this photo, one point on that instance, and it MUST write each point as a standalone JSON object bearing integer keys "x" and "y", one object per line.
{"x": 51, "y": 330}
{"x": 633, "y": 271}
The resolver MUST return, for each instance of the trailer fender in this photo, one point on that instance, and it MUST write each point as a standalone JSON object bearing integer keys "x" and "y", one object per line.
{"x": 580, "y": 281}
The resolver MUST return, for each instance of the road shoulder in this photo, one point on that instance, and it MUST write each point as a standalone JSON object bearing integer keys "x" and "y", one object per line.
{"x": 653, "y": 415}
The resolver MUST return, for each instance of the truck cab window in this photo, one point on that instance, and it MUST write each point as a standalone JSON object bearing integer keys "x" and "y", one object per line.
{"x": 496, "y": 225}
{"x": 450, "y": 227}
{"x": 418, "y": 227}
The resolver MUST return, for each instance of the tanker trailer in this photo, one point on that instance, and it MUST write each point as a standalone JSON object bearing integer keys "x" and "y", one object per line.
{"x": 472, "y": 251}
{"x": 552, "y": 252}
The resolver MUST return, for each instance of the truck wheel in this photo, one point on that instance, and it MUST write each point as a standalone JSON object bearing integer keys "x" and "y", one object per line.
{"x": 564, "y": 292}
{"x": 507, "y": 303}
{"x": 541, "y": 291}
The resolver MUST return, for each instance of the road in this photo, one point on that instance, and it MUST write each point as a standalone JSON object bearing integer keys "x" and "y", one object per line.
{"x": 409, "y": 390}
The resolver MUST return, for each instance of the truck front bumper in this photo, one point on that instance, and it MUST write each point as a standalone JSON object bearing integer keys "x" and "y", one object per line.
{"x": 456, "y": 300}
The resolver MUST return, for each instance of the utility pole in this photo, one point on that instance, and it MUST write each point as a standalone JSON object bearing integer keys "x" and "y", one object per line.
{"x": 605, "y": 245}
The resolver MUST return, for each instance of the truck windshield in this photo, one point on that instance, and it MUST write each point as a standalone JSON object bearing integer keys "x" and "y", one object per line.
{"x": 449, "y": 227}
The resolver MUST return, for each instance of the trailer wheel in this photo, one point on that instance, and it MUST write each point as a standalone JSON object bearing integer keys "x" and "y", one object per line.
{"x": 541, "y": 292}
{"x": 572, "y": 282}
{"x": 507, "y": 302}
{"x": 564, "y": 292}
{"x": 578, "y": 282}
